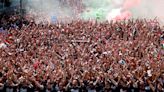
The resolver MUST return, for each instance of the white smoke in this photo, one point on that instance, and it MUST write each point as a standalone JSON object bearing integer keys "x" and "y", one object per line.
{"x": 143, "y": 9}
{"x": 45, "y": 9}
{"x": 149, "y": 9}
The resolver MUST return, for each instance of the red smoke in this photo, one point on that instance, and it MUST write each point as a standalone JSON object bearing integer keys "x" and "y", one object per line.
{"x": 124, "y": 15}
{"x": 131, "y": 3}
{"x": 126, "y": 6}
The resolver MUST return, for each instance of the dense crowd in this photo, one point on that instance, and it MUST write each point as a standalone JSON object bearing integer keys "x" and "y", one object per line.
{"x": 81, "y": 56}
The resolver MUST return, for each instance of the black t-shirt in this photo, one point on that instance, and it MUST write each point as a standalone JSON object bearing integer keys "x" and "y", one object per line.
{"x": 30, "y": 89}
{"x": 2, "y": 89}
{"x": 115, "y": 88}
{"x": 83, "y": 88}
{"x": 99, "y": 87}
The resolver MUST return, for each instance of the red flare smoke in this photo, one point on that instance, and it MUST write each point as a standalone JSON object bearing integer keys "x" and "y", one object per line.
{"x": 131, "y": 3}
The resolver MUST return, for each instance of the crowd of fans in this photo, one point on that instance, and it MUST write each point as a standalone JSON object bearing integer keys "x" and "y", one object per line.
{"x": 81, "y": 56}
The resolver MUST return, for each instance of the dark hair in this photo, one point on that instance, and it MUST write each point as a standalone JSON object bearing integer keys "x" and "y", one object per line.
{"x": 1, "y": 74}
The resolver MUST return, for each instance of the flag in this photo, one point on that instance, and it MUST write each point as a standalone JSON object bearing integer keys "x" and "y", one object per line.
{"x": 53, "y": 19}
